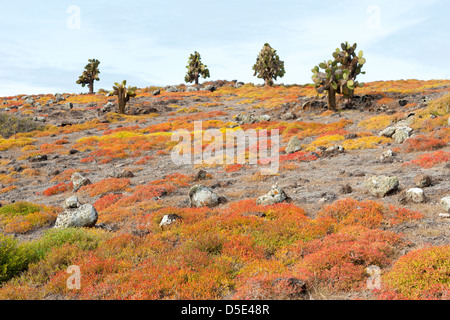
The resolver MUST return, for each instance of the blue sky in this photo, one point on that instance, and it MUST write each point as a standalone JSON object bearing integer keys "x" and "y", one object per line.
{"x": 46, "y": 44}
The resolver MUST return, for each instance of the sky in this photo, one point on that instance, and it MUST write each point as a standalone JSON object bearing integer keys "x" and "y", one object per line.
{"x": 44, "y": 45}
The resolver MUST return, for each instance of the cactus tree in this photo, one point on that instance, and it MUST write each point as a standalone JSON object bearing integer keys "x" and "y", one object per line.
{"x": 123, "y": 94}
{"x": 196, "y": 69}
{"x": 90, "y": 74}
{"x": 268, "y": 65}
{"x": 339, "y": 76}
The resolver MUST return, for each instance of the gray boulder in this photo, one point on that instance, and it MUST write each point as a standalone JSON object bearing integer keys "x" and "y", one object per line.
{"x": 275, "y": 195}
{"x": 381, "y": 186}
{"x": 83, "y": 217}
{"x": 79, "y": 181}
{"x": 445, "y": 202}
{"x": 293, "y": 145}
{"x": 201, "y": 196}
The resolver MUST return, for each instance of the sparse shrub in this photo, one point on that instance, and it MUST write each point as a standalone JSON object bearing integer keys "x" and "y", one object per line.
{"x": 105, "y": 186}
{"x": 21, "y": 217}
{"x": 58, "y": 189}
{"x": 340, "y": 260}
{"x": 11, "y": 125}
{"x": 429, "y": 160}
{"x": 422, "y": 143}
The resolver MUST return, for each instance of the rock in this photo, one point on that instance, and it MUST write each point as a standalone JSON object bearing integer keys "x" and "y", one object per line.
{"x": 444, "y": 215}
{"x": 415, "y": 195}
{"x": 210, "y": 87}
{"x": 72, "y": 203}
{"x": 169, "y": 219}
{"x": 288, "y": 116}
{"x": 387, "y": 156}
{"x": 333, "y": 150}
{"x": 401, "y": 134}
{"x": 402, "y": 102}
{"x": 445, "y": 202}
{"x": 121, "y": 175}
{"x": 38, "y": 158}
{"x": 422, "y": 181}
{"x": 238, "y": 84}
{"x": 29, "y": 101}
{"x": 40, "y": 119}
{"x": 59, "y": 97}
{"x": 243, "y": 119}
{"x": 381, "y": 186}
{"x": 67, "y": 106}
{"x": 201, "y": 175}
{"x": 345, "y": 189}
{"x": 79, "y": 181}
{"x": 350, "y": 136}
{"x": 191, "y": 89}
{"x": 156, "y": 92}
{"x": 83, "y": 217}
{"x": 388, "y": 132}
{"x": 293, "y": 145}
{"x": 171, "y": 89}
{"x": 275, "y": 195}
{"x": 201, "y": 196}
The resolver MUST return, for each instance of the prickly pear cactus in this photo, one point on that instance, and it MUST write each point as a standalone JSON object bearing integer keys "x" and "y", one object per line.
{"x": 268, "y": 65}
{"x": 90, "y": 74}
{"x": 196, "y": 69}
{"x": 339, "y": 75}
{"x": 123, "y": 94}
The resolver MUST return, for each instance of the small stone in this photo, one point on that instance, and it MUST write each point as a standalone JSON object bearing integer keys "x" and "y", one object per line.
{"x": 345, "y": 189}
{"x": 275, "y": 195}
{"x": 293, "y": 145}
{"x": 201, "y": 196}
{"x": 169, "y": 219}
{"x": 79, "y": 181}
{"x": 415, "y": 195}
{"x": 445, "y": 202}
{"x": 444, "y": 215}
{"x": 422, "y": 181}
{"x": 72, "y": 202}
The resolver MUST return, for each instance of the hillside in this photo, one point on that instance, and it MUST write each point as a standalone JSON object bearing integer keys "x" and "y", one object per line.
{"x": 315, "y": 244}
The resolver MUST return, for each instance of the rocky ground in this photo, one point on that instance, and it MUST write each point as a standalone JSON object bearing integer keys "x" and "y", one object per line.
{"x": 311, "y": 185}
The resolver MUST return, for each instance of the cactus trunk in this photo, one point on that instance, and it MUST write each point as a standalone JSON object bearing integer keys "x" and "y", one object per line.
{"x": 91, "y": 87}
{"x": 332, "y": 99}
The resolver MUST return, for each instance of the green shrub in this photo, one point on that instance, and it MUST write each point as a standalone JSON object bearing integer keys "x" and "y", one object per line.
{"x": 11, "y": 125}
{"x": 84, "y": 239}
{"x": 19, "y": 209}
{"x": 14, "y": 258}
{"x": 421, "y": 274}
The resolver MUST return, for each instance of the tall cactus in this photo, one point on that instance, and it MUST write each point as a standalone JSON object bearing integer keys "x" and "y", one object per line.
{"x": 196, "y": 69}
{"x": 123, "y": 94}
{"x": 90, "y": 74}
{"x": 268, "y": 65}
{"x": 340, "y": 74}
